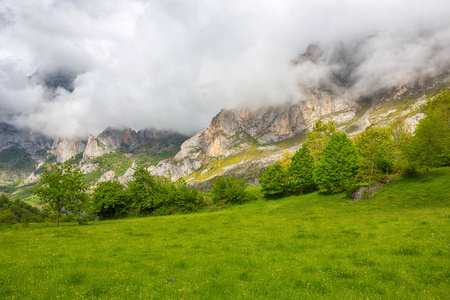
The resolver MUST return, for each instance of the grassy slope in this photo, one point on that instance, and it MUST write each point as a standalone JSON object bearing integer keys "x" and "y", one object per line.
{"x": 395, "y": 245}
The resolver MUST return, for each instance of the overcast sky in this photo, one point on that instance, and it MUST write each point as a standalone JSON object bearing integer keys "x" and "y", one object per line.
{"x": 173, "y": 64}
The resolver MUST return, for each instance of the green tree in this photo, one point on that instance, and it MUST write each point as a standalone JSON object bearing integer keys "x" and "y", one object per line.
{"x": 63, "y": 190}
{"x": 146, "y": 192}
{"x": 275, "y": 181}
{"x": 396, "y": 149}
{"x": 318, "y": 137}
{"x": 109, "y": 199}
{"x": 230, "y": 189}
{"x": 184, "y": 197}
{"x": 338, "y": 163}
{"x": 429, "y": 145}
{"x": 374, "y": 145}
{"x": 301, "y": 171}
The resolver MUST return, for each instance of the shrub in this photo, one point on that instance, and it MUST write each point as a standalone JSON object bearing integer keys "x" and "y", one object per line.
{"x": 230, "y": 190}
{"x": 275, "y": 182}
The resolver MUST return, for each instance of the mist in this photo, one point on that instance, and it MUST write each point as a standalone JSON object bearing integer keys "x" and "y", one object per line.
{"x": 70, "y": 68}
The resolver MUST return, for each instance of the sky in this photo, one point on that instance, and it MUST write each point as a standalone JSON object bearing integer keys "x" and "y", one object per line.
{"x": 174, "y": 64}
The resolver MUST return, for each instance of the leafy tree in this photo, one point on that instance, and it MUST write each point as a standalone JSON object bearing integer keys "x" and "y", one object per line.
{"x": 338, "y": 163}
{"x": 374, "y": 144}
{"x": 184, "y": 197}
{"x": 109, "y": 199}
{"x": 318, "y": 137}
{"x": 157, "y": 195}
{"x": 301, "y": 171}
{"x": 7, "y": 217}
{"x": 63, "y": 190}
{"x": 430, "y": 143}
{"x": 396, "y": 149}
{"x": 286, "y": 158}
{"x": 275, "y": 181}
{"x": 146, "y": 192}
{"x": 230, "y": 189}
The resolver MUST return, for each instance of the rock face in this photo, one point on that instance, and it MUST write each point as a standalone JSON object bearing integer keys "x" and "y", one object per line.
{"x": 65, "y": 148}
{"x": 94, "y": 148}
{"x": 128, "y": 175}
{"x": 112, "y": 139}
{"x": 108, "y": 176}
{"x": 23, "y": 138}
{"x": 232, "y": 131}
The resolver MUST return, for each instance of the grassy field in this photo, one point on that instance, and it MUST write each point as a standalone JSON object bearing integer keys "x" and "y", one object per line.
{"x": 393, "y": 246}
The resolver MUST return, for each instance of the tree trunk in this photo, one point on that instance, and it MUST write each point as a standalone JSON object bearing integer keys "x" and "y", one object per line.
{"x": 57, "y": 219}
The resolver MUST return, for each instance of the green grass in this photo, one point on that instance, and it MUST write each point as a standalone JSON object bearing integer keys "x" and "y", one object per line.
{"x": 393, "y": 246}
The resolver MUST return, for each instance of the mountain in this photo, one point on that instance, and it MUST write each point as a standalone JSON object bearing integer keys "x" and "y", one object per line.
{"x": 22, "y": 151}
{"x": 241, "y": 141}
{"x": 245, "y": 141}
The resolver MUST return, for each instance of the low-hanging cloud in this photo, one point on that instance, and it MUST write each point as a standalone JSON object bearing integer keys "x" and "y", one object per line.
{"x": 174, "y": 64}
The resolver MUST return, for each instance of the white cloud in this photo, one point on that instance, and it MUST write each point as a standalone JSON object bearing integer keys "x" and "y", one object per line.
{"x": 174, "y": 64}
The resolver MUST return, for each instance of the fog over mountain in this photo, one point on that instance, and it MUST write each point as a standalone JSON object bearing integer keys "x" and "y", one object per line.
{"x": 75, "y": 67}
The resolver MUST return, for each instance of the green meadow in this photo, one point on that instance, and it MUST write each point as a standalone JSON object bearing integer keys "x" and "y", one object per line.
{"x": 395, "y": 245}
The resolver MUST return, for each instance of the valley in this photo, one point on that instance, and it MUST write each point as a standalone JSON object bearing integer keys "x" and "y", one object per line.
{"x": 394, "y": 245}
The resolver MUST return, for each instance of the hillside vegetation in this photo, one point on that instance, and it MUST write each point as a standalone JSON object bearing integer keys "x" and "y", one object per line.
{"x": 393, "y": 246}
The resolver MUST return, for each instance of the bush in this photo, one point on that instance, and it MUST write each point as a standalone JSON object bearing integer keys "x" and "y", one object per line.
{"x": 12, "y": 212}
{"x": 230, "y": 190}
{"x": 275, "y": 182}
{"x": 158, "y": 196}
{"x": 7, "y": 217}
{"x": 109, "y": 199}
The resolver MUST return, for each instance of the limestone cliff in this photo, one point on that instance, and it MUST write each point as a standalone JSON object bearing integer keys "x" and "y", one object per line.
{"x": 67, "y": 148}
{"x": 112, "y": 139}
{"x": 25, "y": 139}
{"x": 232, "y": 131}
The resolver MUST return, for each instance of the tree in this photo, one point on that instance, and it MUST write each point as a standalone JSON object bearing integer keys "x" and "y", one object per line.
{"x": 396, "y": 150}
{"x": 146, "y": 192}
{"x": 109, "y": 199}
{"x": 301, "y": 171}
{"x": 184, "y": 197}
{"x": 430, "y": 143}
{"x": 230, "y": 189}
{"x": 159, "y": 196}
{"x": 374, "y": 145}
{"x": 318, "y": 137}
{"x": 338, "y": 163}
{"x": 275, "y": 182}
{"x": 63, "y": 189}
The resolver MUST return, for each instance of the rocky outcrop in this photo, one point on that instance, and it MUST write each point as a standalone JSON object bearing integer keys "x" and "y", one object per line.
{"x": 26, "y": 139}
{"x": 94, "y": 148}
{"x": 30, "y": 179}
{"x": 108, "y": 176}
{"x": 112, "y": 139}
{"x": 233, "y": 131}
{"x": 88, "y": 168}
{"x": 128, "y": 175}
{"x": 67, "y": 148}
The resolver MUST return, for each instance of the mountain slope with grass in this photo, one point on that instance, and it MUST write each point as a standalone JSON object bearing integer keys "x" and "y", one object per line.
{"x": 394, "y": 245}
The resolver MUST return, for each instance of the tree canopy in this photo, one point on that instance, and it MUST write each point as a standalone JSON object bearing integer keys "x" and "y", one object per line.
{"x": 63, "y": 190}
{"x": 301, "y": 171}
{"x": 318, "y": 137}
{"x": 338, "y": 163}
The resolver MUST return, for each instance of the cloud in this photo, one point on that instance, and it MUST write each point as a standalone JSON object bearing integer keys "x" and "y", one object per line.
{"x": 174, "y": 64}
